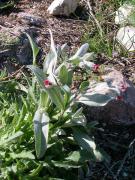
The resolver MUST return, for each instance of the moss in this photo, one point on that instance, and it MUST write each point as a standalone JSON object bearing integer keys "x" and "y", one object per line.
{"x": 7, "y": 40}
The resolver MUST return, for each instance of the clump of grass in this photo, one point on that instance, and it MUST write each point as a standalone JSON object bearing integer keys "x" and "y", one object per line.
{"x": 98, "y": 44}
{"x": 104, "y": 14}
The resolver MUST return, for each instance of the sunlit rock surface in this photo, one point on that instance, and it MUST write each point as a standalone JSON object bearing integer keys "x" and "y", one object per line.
{"x": 63, "y": 7}
{"x": 126, "y": 37}
{"x": 123, "y": 13}
{"x": 120, "y": 111}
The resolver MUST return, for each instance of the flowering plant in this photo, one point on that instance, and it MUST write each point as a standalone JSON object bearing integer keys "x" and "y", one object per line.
{"x": 60, "y": 127}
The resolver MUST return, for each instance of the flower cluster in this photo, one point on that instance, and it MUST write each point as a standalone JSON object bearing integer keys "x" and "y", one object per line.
{"x": 47, "y": 83}
{"x": 96, "y": 67}
{"x": 123, "y": 88}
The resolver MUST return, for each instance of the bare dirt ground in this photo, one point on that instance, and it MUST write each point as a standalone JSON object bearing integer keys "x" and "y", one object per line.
{"x": 65, "y": 30}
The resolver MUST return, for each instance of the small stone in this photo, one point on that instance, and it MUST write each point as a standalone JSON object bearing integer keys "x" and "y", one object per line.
{"x": 123, "y": 13}
{"x": 116, "y": 112}
{"x": 63, "y": 7}
{"x": 126, "y": 37}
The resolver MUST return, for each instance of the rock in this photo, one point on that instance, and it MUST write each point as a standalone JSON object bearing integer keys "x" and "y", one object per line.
{"x": 15, "y": 45}
{"x": 8, "y": 43}
{"x": 123, "y": 13}
{"x": 63, "y": 7}
{"x": 30, "y": 19}
{"x": 116, "y": 112}
{"x": 126, "y": 37}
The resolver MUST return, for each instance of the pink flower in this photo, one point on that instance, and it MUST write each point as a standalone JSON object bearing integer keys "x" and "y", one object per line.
{"x": 119, "y": 98}
{"x": 123, "y": 87}
{"x": 47, "y": 83}
{"x": 89, "y": 90}
{"x": 96, "y": 67}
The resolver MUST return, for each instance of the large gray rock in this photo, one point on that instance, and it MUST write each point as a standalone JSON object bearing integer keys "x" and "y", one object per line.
{"x": 120, "y": 111}
{"x": 14, "y": 44}
{"x": 126, "y": 37}
{"x": 63, "y": 7}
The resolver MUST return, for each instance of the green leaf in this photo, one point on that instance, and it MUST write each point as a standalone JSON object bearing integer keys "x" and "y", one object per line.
{"x": 41, "y": 130}
{"x": 70, "y": 77}
{"x": 94, "y": 100}
{"x": 78, "y": 112}
{"x": 44, "y": 99}
{"x": 51, "y": 58}
{"x": 38, "y": 73}
{"x": 98, "y": 95}
{"x": 88, "y": 65}
{"x": 80, "y": 156}
{"x": 67, "y": 95}
{"x": 62, "y": 51}
{"x": 8, "y": 87}
{"x": 84, "y": 85}
{"x": 87, "y": 144}
{"x": 37, "y": 171}
{"x": 56, "y": 96}
{"x": 81, "y": 51}
{"x": 75, "y": 61}
{"x": 88, "y": 57}
{"x": 22, "y": 155}
{"x": 80, "y": 121}
{"x": 35, "y": 48}
{"x": 84, "y": 140}
{"x": 77, "y": 119}
{"x": 63, "y": 75}
{"x": 65, "y": 164}
{"x": 11, "y": 138}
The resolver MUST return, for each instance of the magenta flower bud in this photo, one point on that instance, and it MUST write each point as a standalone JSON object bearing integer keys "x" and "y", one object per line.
{"x": 47, "y": 83}
{"x": 119, "y": 98}
{"x": 96, "y": 67}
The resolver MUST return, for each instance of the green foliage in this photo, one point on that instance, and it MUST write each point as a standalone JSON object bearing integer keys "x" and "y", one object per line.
{"x": 6, "y": 5}
{"x": 64, "y": 75}
{"x": 60, "y": 141}
{"x": 99, "y": 44}
{"x": 35, "y": 48}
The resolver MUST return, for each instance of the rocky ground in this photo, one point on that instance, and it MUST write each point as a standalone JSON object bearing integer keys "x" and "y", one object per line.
{"x": 65, "y": 30}
{"x": 32, "y": 17}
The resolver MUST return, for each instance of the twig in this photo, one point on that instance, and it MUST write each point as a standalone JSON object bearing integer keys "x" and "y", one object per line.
{"x": 93, "y": 16}
{"x": 124, "y": 160}
{"x": 6, "y": 52}
{"x": 12, "y": 75}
